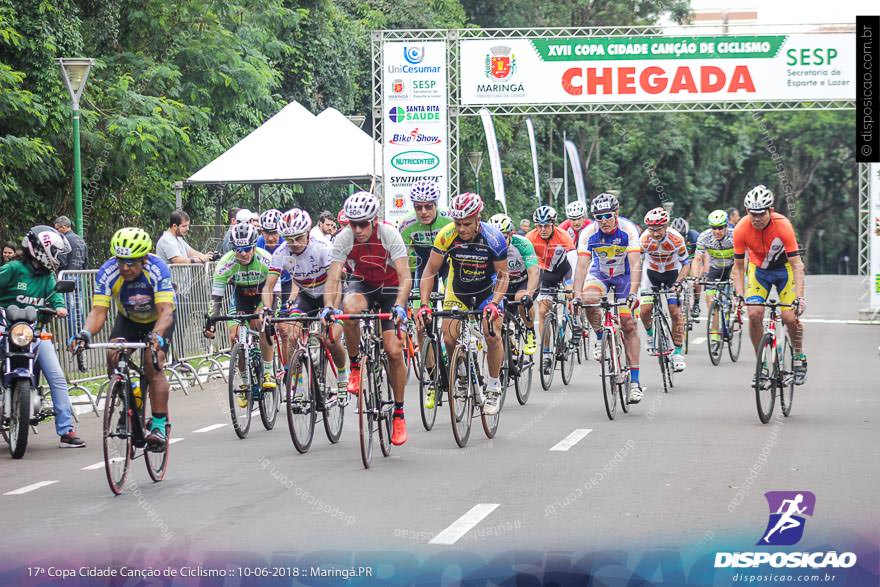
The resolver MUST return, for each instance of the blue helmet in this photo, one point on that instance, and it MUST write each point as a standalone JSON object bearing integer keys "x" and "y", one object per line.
{"x": 424, "y": 191}
{"x": 544, "y": 215}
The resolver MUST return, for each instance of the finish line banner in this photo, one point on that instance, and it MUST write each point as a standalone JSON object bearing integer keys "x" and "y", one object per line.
{"x": 640, "y": 69}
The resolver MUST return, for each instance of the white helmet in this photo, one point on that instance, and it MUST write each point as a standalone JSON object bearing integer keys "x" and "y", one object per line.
{"x": 295, "y": 222}
{"x": 361, "y": 206}
{"x": 465, "y": 205}
{"x": 424, "y": 190}
{"x": 45, "y": 244}
{"x": 575, "y": 210}
{"x": 759, "y": 199}
{"x": 680, "y": 225}
{"x": 270, "y": 220}
{"x": 244, "y": 235}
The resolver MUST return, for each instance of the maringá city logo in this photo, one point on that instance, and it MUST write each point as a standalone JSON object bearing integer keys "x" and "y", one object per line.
{"x": 413, "y": 54}
{"x": 787, "y": 511}
{"x": 500, "y": 63}
{"x": 397, "y": 86}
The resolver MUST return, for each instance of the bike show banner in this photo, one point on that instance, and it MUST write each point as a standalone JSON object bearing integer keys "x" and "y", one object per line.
{"x": 415, "y": 125}
{"x": 640, "y": 69}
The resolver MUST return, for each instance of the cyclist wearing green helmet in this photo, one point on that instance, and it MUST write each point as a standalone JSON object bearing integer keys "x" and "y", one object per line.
{"x": 140, "y": 282}
{"x": 522, "y": 266}
{"x": 714, "y": 256}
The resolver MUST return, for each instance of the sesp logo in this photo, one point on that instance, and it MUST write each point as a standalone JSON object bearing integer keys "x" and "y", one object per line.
{"x": 787, "y": 511}
{"x": 413, "y": 54}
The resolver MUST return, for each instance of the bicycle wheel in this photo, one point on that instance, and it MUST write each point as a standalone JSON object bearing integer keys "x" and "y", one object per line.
{"x": 565, "y": 348}
{"x": 716, "y": 347}
{"x": 366, "y": 414}
{"x": 735, "y": 331}
{"x": 522, "y": 383}
{"x": 157, "y": 462}
{"x": 786, "y": 377}
{"x": 765, "y": 379}
{"x": 429, "y": 382}
{"x": 327, "y": 382}
{"x": 117, "y": 436}
{"x": 461, "y": 395}
{"x": 300, "y": 400}
{"x": 665, "y": 348}
{"x": 270, "y": 399}
{"x": 384, "y": 406}
{"x": 547, "y": 351}
{"x": 241, "y": 399}
{"x": 507, "y": 366}
{"x": 609, "y": 376}
{"x": 623, "y": 374}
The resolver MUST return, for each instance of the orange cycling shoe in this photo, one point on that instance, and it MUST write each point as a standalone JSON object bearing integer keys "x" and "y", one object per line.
{"x": 354, "y": 380}
{"x": 398, "y": 436}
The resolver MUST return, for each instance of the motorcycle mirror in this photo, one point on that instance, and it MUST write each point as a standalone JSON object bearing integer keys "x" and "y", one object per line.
{"x": 65, "y": 285}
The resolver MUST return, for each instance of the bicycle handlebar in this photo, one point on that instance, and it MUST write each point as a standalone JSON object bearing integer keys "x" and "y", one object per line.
{"x": 237, "y": 317}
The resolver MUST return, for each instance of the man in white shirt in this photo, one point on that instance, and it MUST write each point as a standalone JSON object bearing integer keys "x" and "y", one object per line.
{"x": 171, "y": 247}
{"x": 325, "y": 228}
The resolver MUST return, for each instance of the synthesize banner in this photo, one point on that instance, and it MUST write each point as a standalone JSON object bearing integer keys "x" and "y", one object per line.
{"x": 638, "y": 69}
{"x": 415, "y": 134}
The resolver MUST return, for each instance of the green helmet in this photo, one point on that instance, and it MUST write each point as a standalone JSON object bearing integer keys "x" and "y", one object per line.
{"x": 718, "y": 218}
{"x": 130, "y": 243}
{"x": 502, "y": 222}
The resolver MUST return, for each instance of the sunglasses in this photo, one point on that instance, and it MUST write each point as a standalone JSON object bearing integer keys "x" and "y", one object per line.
{"x": 607, "y": 216}
{"x": 722, "y": 227}
{"x": 128, "y": 262}
{"x": 655, "y": 229}
{"x": 245, "y": 249}
{"x": 359, "y": 223}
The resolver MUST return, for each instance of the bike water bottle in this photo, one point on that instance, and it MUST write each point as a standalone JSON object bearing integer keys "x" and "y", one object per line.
{"x": 136, "y": 392}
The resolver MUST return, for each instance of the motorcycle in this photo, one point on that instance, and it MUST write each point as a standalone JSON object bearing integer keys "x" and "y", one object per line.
{"x": 21, "y": 398}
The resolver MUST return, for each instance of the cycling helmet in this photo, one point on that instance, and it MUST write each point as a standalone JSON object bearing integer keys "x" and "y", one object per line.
{"x": 424, "y": 191}
{"x": 680, "y": 225}
{"x": 270, "y": 220}
{"x": 575, "y": 210}
{"x": 718, "y": 219}
{"x": 544, "y": 215}
{"x": 341, "y": 218}
{"x": 502, "y": 222}
{"x": 130, "y": 243}
{"x": 295, "y": 222}
{"x": 244, "y": 236}
{"x": 361, "y": 206}
{"x": 604, "y": 203}
{"x": 759, "y": 199}
{"x": 465, "y": 205}
{"x": 657, "y": 217}
{"x": 44, "y": 244}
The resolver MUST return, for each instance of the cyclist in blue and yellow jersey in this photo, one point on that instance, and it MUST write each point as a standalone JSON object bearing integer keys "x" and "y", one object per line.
{"x": 140, "y": 283}
{"x": 477, "y": 279}
{"x": 714, "y": 258}
{"x": 609, "y": 256}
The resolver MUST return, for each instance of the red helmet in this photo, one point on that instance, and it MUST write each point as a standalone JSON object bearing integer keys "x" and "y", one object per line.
{"x": 657, "y": 217}
{"x": 342, "y": 218}
{"x": 465, "y": 205}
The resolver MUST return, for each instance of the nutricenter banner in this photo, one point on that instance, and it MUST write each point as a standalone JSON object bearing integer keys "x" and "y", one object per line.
{"x": 658, "y": 69}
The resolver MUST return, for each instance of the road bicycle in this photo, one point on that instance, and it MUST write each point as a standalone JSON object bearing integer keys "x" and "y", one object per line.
{"x": 686, "y": 301}
{"x": 774, "y": 371}
{"x": 246, "y": 376}
{"x": 311, "y": 384}
{"x": 433, "y": 375}
{"x": 518, "y": 366}
{"x": 558, "y": 342}
{"x": 614, "y": 365}
{"x": 724, "y": 324}
{"x": 662, "y": 340}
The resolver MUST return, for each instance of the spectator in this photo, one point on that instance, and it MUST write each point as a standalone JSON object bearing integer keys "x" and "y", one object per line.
{"x": 9, "y": 253}
{"x": 236, "y": 215}
{"x": 732, "y": 217}
{"x": 324, "y": 230}
{"x": 77, "y": 258}
{"x": 171, "y": 247}
{"x": 524, "y": 226}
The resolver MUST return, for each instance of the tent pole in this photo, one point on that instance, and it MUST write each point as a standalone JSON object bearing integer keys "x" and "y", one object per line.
{"x": 258, "y": 198}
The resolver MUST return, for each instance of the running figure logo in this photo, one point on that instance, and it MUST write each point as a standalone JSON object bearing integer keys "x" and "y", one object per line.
{"x": 787, "y": 511}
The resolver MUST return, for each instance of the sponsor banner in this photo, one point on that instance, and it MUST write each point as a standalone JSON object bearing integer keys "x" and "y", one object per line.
{"x": 494, "y": 158}
{"x": 415, "y": 123}
{"x": 874, "y": 251}
{"x": 658, "y": 69}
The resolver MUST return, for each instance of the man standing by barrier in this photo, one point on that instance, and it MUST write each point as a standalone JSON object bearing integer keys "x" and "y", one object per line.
{"x": 76, "y": 260}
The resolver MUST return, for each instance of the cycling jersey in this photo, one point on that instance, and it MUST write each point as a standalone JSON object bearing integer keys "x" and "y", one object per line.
{"x": 572, "y": 231}
{"x": 691, "y": 239}
{"x": 136, "y": 299}
{"x": 520, "y": 257}
{"x": 667, "y": 254}
{"x": 551, "y": 252}
{"x": 420, "y": 238}
{"x": 720, "y": 252}
{"x": 261, "y": 242}
{"x": 769, "y": 248}
{"x": 308, "y": 269}
{"x": 472, "y": 268}
{"x": 247, "y": 280}
{"x": 372, "y": 261}
{"x": 609, "y": 251}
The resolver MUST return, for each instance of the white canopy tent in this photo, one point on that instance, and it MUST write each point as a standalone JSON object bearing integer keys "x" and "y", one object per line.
{"x": 296, "y": 146}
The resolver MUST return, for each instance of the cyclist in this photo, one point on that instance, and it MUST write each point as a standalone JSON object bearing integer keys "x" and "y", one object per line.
{"x": 609, "y": 256}
{"x": 29, "y": 282}
{"x": 245, "y": 268}
{"x": 477, "y": 280}
{"x": 379, "y": 265}
{"x": 140, "y": 282}
{"x": 774, "y": 261}
{"x": 270, "y": 239}
{"x": 666, "y": 264}
{"x": 552, "y": 245}
{"x": 576, "y": 219}
{"x": 691, "y": 237}
{"x": 523, "y": 272}
{"x": 307, "y": 261}
{"x": 419, "y": 228}
{"x": 714, "y": 257}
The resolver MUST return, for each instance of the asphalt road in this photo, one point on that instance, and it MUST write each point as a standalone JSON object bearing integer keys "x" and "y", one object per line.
{"x": 687, "y": 468}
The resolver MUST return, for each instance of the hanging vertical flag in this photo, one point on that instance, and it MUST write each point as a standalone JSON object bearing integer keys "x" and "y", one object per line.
{"x": 576, "y": 171}
{"x": 531, "y": 128}
{"x": 494, "y": 157}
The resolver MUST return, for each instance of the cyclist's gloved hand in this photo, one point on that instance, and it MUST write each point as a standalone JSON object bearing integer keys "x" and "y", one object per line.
{"x": 492, "y": 311}
{"x": 677, "y": 287}
{"x": 800, "y": 306}
{"x": 423, "y": 314}
{"x": 399, "y": 314}
{"x": 527, "y": 302}
{"x": 210, "y": 329}
{"x": 632, "y": 300}
{"x": 157, "y": 341}
{"x": 327, "y": 313}
{"x": 80, "y": 341}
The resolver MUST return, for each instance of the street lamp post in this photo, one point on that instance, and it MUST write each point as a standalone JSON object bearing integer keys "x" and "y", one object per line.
{"x": 475, "y": 158}
{"x": 75, "y": 72}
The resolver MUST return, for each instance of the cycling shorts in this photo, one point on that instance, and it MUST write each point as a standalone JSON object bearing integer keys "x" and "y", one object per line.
{"x": 717, "y": 274}
{"x": 654, "y": 280}
{"x": 451, "y": 302}
{"x": 133, "y": 331}
{"x": 383, "y": 297}
{"x": 760, "y": 281}
{"x": 602, "y": 283}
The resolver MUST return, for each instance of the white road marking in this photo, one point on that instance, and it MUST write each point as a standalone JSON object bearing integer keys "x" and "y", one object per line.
{"x": 572, "y": 439}
{"x": 464, "y": 524}
{"x": 29, "y": 488}
{"x": 208, "y": 428}
{"x": 699, "y": 340}
{"x": 95, "y": 466}
{"x": 173, "y": 440}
